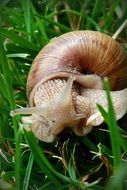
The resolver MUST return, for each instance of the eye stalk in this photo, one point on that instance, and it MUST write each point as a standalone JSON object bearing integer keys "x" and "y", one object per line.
{"x": 27, "y": 111}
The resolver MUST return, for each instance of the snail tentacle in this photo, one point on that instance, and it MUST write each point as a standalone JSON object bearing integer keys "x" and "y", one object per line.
{"x": 66, "y": 94}
{"x": 28, "y": 111}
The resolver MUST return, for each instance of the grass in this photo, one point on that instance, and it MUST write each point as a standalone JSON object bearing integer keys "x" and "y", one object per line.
{"x": 94, "y": 162}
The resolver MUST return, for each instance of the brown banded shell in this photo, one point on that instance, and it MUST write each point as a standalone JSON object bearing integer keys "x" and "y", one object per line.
{"x": 79, "y": 52}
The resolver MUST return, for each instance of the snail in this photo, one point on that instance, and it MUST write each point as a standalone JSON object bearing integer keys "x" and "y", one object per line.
{"x": 65, "y": 83}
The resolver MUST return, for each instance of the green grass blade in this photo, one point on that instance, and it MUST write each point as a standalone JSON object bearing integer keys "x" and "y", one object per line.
{"x": 17, "y": 159}
{"x": 17, "y": 134}
{"x": 115, "y": 136}
{"x": 28, "y": 172}
{"x": 6, "y": 79}
{"x": 113, "y": 129}
{"x": 103, "y": 112}
{"x": 95, "y": 12}
{"x": 109, "y": 17}
{"x": 45, "y": 165}
{"x": 71, "y": 168}
{"x": 46, "y": 162}
{"x": 26, "y": 9}
{"x": 51, "y": 21}
{"x": 89, "y": 144}
{"x": 40, "y": 158}
{"x": 3, "y": 85}
{"x": 118, "y": 182}
{"x": 112, "y": 124}
{"x": 39, "y": 23}
{"x": 19, "y": 40}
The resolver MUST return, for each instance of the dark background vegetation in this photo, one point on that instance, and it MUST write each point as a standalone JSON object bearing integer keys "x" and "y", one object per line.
{"x": 96, "y": 161}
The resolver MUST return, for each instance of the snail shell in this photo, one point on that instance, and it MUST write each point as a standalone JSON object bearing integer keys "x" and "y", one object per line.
{"x": 65, "y": 83}
{"x": 81, "y": 52}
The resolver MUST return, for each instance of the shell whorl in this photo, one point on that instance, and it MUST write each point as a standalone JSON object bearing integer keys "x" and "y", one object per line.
{"x": 79, "y": 52}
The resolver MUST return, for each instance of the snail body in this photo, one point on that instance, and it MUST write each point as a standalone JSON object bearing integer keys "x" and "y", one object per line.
{"x": 66, "y": 81}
